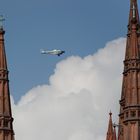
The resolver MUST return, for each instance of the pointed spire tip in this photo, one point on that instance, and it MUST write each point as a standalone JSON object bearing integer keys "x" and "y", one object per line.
{"x": 110, "y": 113}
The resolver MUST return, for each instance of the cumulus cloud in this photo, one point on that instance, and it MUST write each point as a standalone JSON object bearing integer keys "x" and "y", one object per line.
{"x": 76, "y": 103}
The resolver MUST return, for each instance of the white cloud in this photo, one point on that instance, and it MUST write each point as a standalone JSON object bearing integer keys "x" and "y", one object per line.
{"x": 76, "y": 103}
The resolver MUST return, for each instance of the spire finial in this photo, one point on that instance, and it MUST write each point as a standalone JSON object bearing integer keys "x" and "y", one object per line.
{"x": 1, "y": 21}
{"x": 114, "y": 133}
{"x": 133, "y": 10}
{"x": 110, "y": 128}
{"x": 110, "y": 113}
{"x": 134, "y": 15}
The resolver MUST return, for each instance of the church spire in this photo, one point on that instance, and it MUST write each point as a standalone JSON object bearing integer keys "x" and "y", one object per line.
{"x": 129, "y": 117}
{"x": 114, "y": 133}
{"x": 133, "y": 15}
{"x": 6, "y": 120}
{"x": 110, "y": 128}
{"x": 132, "y": 48}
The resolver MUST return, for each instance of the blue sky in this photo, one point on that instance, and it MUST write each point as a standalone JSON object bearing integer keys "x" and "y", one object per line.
{"x": 80, "y": 27}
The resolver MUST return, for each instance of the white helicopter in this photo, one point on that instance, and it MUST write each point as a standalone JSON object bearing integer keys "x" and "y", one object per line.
{"x": 52, "y": 52}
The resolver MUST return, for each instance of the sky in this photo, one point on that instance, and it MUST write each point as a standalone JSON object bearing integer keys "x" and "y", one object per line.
{"x": 80, "y": 27}
{"x": 76, "y": 103}
{"x": 78, "y": 88}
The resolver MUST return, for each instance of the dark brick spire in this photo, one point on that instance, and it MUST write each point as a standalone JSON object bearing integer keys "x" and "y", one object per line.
{"x": 110, "y": 128}
{"x": 132, "y": 48}
{"x": 6, "y": 127}
{"x": 114, "y": 133}
{"x": 129, "y": 118}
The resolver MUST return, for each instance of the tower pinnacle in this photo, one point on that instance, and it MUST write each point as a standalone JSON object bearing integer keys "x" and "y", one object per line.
{"x": 132, "y": 48}
{"x": 133, "y": 11}
{"x": 1, "y": 21}
{"x": 110, "y": 128}
{"x": 114, "y": 133}
{"x": 129, "y": 117}
{"x": 6, "y": 120}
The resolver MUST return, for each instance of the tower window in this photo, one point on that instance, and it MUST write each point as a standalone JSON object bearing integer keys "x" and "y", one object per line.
{"x": 139, "y": 113}
{"x": 5, "y": 123}
{"x": 126, "y": 114}
{"x": 133, "y": 113}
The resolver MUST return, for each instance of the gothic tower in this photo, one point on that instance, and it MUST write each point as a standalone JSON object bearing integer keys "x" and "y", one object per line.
{"x": 129, "y": 117}
{"x": 6, "y": 120}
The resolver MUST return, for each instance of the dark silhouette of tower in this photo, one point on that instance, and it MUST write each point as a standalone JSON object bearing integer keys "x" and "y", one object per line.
{"x": 6, "y": 120}
{"x": 129, "y": 117}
